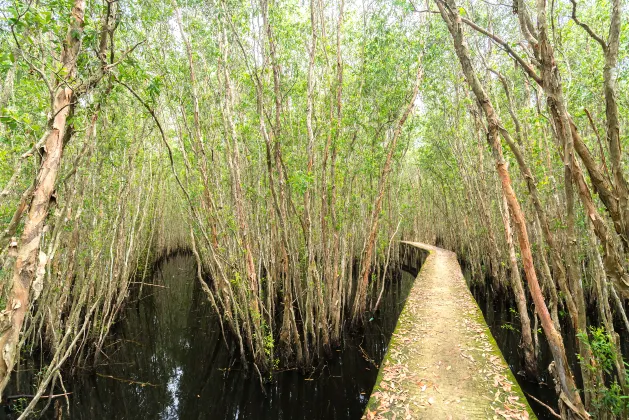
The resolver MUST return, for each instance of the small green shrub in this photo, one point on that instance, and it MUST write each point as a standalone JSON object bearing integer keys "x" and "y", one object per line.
{"x": 608, "y": 400}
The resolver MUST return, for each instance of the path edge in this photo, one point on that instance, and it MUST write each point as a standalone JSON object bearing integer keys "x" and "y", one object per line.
{"x": 429, "y": 251}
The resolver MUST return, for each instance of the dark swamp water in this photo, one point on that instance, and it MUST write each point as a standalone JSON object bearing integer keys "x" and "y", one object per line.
{"x": 166, "y": 359}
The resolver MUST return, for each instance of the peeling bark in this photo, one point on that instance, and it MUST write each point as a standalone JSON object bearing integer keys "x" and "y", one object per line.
{"x": 12, "y": 318}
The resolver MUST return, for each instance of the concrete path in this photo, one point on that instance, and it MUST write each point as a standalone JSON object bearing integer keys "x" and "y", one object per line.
{"x": 442, "y": 362}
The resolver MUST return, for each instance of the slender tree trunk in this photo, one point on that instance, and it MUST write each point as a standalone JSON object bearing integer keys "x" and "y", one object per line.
{"x": 526, "y": 343}
{"x": 360, "y": 300}
{"x": 313, "y": 275}
{"x": 255, "y": 316}
{"x": 616, "y": 195}
{"x": 570, "y": 140}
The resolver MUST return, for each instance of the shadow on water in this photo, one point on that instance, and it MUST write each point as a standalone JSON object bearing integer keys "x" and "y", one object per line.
{"x": 167, "y": 360}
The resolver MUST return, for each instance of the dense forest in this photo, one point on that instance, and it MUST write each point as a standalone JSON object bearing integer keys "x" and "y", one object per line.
{"x": 290, "y": 145}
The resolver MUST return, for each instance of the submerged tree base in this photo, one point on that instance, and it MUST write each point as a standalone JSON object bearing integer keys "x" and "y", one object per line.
{"x": 166, "y": 358}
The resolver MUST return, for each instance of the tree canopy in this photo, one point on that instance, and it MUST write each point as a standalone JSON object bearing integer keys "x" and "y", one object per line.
{"x": 291, "y": 144}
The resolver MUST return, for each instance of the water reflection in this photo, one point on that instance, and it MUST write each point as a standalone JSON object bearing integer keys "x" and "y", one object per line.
{"x": 167, "y": 360}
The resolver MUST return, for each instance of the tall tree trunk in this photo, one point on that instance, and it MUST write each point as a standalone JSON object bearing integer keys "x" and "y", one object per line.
{"x": 289, "y": 333}
{"x": 360, "y": 300}
{"x": 567, "y": 134}
{"x": 449, "y": 12}
{"x": 234, "y": 162}
{"x": 313, "y": 275}
{"x": 531, "y": 184}
{"x": 610, "y": 86}
{"x": 28, "y": 256}
{"x": 530, "y": 364}
{"x": 328, "y": 203}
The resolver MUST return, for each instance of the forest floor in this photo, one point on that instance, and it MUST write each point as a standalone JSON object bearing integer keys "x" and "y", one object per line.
{"x": 442, "y": 361}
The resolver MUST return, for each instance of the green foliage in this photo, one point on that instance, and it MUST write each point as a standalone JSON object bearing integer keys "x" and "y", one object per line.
{"x": 609, "y": 399}
{"x": 508, "y": 326}
{"x": 19, "y": 404}
{"x": 269, "y": 344}
{"x": 443, "y": 182}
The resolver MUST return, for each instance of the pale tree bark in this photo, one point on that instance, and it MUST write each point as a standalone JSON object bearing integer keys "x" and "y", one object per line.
{"x": 233, "y": 162}
{"x": 550, "y": 81}
{"x": 449, "y": 12}
{"x": 605, "y": 312}
{"x": 313, "y": 276}
{"x": 569, "y": 140}
{"x": 610, "y": 88}
{"x": 526, "y": 343}
{"x": 197, "y": 137}
{"x": 328, "y": 202}
{"x": 557, "y": 262}
{"x": 289, "y": 333}
{"x": 28, "y": 254}
{"x": 360, "y": 300}
{"x": 567, "y": 133}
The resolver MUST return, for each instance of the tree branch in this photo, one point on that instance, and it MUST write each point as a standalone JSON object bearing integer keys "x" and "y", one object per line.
{"x": 526, "y": 66}
{"x": 163, "y": 135}
{"x": 586, "y": 27}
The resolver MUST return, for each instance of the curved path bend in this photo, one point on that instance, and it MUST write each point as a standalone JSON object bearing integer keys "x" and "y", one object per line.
{"x": 442, "y": 361}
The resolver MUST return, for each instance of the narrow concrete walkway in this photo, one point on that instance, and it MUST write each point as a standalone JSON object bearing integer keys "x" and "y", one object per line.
{"x": 442, "y": 362}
